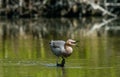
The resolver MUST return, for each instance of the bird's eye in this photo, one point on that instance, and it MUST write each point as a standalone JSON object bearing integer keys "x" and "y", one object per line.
{"x": 50, "y": 43}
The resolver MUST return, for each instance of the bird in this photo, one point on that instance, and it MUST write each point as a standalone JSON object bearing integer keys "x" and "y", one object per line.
{"x": 62, "y": 49}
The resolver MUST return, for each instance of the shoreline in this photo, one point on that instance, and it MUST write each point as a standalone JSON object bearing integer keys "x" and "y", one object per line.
{"x": 54, "y": 9}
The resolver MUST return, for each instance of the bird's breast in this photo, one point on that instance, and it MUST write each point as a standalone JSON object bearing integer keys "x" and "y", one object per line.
{"x": 67, "y": 52}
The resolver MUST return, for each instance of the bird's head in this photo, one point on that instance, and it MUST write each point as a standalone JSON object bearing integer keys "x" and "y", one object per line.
{"x": 71, "y": 42}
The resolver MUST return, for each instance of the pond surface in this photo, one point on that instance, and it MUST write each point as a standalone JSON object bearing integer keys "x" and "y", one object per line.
{"x": 25, "y": 51}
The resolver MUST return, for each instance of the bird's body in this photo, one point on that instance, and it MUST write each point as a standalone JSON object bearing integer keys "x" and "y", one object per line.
{"x": 61, "y": 48}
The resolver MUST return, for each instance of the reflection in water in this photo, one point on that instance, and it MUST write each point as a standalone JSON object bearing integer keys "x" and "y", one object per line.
{"x": 61, "y": 72}
{"x": 44, "y": 27}
{"x": 51, "y": 27}
{"x": 25, "y": 50}
{"x": 98, "y": 26}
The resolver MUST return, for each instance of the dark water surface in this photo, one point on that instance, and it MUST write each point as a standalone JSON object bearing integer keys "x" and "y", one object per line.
{"x": 25, "y": 51}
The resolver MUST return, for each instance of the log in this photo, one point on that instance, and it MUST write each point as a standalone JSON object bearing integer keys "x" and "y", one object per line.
{"x": 105, "y": 11}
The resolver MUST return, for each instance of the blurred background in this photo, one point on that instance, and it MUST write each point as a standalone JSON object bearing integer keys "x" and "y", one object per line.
{"x": 27, "y": 27}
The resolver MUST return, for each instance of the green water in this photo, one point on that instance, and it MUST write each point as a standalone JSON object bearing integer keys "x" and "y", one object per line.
{"x": 25, "y": 51}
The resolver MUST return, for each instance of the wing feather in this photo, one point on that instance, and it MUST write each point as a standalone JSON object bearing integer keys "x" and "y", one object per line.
{"x": 57, "y": 47}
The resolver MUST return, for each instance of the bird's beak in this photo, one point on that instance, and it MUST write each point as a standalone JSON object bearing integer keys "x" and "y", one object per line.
{"x": 76, "y": 43}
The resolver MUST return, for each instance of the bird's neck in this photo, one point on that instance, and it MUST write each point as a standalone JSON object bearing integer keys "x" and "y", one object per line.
{"x": 68, "y": 48}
